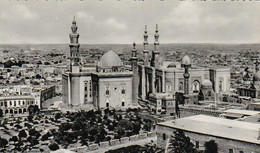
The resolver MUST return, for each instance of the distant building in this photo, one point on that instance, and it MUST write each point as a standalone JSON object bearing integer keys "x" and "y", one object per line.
{"x": 252, "y": 91}
{"x": 16, "y": 105}
{"x": 47, "y": 93}
{"x": 232, "y": 136}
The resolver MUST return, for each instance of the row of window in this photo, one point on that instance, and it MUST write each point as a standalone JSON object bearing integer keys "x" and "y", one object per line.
{"x": 122, "y": 91}
{"x": 123, "y": 104}
{"x": 17, "y": 103}
{"x": 11, "y": 111}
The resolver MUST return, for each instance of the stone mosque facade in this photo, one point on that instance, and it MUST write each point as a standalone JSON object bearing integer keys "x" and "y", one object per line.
{"x": 109, "y": 84}
{"x": 160, "y": 80}
{"x": 153, "y": 82}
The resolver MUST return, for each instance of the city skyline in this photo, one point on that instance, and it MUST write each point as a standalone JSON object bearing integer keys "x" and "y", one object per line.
{"x": 122, "y": 22}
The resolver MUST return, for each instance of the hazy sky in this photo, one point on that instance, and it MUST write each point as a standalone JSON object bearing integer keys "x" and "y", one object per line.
{"x": 113, "y": 21}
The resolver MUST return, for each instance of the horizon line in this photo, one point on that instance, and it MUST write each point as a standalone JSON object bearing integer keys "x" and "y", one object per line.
{"x": 128, "y": 43}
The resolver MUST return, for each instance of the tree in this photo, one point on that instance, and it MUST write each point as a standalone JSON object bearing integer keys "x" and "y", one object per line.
{"x": 33, "y": 109}
{"x": 22, "y": 134}
{"x": 179, "y": 143}
{"x": 54, "y": 146}
{"x": 14, "y": 139}
{"x": 211, "y": 147}
{"x": 3, "y": 143}
{"x": 1, "y": 113}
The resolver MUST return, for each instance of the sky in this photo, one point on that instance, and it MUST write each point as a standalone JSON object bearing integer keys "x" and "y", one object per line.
{"x": 122, "y": 22}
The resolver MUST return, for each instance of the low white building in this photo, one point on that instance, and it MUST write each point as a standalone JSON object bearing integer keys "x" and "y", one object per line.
{"x": 232, "y": 136}
{"x": 12, "y": 105}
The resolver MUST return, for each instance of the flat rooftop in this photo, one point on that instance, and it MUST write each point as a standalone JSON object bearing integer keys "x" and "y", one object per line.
{"x": 242, "y": 112}
{"x": 218, "y": 127}
{"x": 15, "y": 97}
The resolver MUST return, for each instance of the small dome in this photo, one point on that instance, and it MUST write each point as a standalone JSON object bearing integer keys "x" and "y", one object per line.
{"x": 206, "y": 83}
{"x": 256, "y": 76}
{"x": 172, "y": 65}
{"x": 186, "y": 60}
{"x": 110, "y": 59}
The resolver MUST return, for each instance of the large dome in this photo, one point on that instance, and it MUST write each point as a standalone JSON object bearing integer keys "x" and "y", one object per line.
{"x": 206, "y": 83}
{"x": 186, "y": 60}
{"x": 256, "y": 76}
{"x": 110, "y": 59}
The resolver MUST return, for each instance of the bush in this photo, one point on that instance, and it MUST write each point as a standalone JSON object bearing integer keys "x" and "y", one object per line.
{"x": 54, "y": 146}
{"x": 22, "y": 134}
{"x": 14, "y": 139}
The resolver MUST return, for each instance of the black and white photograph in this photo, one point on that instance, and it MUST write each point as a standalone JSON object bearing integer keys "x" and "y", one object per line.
{"x": 129, "y": 76}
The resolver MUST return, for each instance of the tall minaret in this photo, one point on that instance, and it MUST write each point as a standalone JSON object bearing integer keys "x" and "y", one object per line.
{"x": 186, "y": 76}
{"x": 74, "y": 48}
{"x": 155, "y": 55}
{"x": 145, "y": 51}
{"x": 135, "y": 81}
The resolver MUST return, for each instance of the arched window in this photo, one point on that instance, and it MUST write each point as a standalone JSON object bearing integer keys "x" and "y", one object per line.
{"x": 180, "y": 86}
{"x": 123, "y": 91}
{"x": 209, "y": 93}
{"x": 107, "y": 92}
{"x": 196, "y": 85}
{"x": 169, "y": 86}
{"x": 220, "y": 86}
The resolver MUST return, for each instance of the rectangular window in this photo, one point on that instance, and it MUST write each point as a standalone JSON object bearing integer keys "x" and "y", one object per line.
{"x": 164, "y": 136}
{"x": 197, "y": 144}
{"x": 123, "y": 103}
{"x": 241, "y": 151}
{"x": 10, "y": 103}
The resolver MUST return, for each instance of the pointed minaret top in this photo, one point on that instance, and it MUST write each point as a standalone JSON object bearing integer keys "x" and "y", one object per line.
{"x": 156, "y": 30}
{"x": 134, "y": 44}
{"x": 145, "y": 29}
{"x": 74, "y": 20}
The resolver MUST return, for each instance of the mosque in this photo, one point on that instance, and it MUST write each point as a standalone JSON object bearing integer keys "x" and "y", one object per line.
{"x": 107, "y": 85}
{"x": 253, "y": 90}
{"x": 154, "y": 82}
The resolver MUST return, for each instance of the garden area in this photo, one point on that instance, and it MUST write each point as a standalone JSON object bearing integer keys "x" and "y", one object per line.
{"x": 52, "y": 131}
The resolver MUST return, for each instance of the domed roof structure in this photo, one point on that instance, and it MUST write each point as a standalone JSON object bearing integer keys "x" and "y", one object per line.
{"x": 185, "y": 60}
{"x": 206, "y": 84}
{"x": 256, "y": 76}
{"x": 110, "y": 59}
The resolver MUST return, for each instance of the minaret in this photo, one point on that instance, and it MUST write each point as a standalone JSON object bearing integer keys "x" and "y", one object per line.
{"x": 74, "y": 48}
{"x": 186, "y": 76}
{"x": 155, "y": 55}
{"x": 135, "y": 81}
{"x": 145, "y": 51}
{"x": 134, "y": 58}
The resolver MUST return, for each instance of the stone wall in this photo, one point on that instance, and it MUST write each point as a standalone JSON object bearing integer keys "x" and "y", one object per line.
{"x": 196, "y": 111}
{"x": 223, "y": 144}
{"x": 115, "y": 142}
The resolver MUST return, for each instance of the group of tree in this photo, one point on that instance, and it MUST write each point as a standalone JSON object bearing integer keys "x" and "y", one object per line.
{"x": 89, "y": 126}
{"x": 9, "y": 63}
